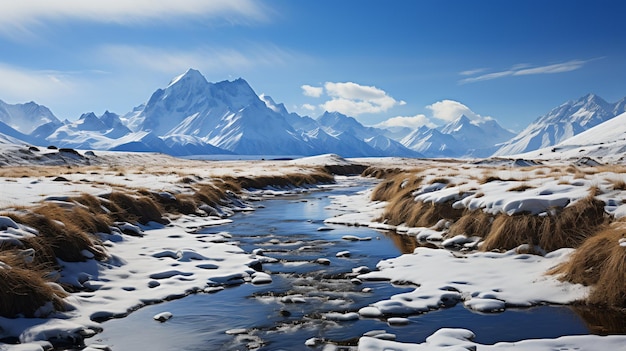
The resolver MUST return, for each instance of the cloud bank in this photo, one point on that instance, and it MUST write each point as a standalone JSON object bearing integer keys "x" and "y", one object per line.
{"x": 352, "y": 99}
{"x": 412, "y": 122}
{"x": 444, "y": 111}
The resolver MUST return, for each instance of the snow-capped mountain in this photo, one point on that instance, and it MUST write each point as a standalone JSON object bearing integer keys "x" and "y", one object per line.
{"x": 192, "y": 116}
{"x": 605, "y": 142}
{"x": 342, "y": 126}
{"x": 459, "y": 138}
{"x": 228, "y": 115}
{"x": 563, "y": 122}
{"x": 432, "y": 143}
{"x": 477, "y": 138}
{"x": 25, "y": 118}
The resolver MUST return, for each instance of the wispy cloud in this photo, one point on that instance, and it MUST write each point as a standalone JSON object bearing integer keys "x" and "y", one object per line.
{"x": 206, "y": 59}
{"x": 351, "y": 98}
{"x": 523, "y": 70}
{"x": 21, "y": 16}
{"x": 20, "y": 84}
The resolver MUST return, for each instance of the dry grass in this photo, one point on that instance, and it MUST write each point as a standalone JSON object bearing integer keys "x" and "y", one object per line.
{"x": 488, "y": 178}
{"x": 210, "y": 194}
{"x": 473, "y": 223}
{"x": 618, "y": 184}
{"x": 521, "y": 188}
{"x": 600, "y": 262}
{"x": 131, "y": 208}
{"x": 398, "y": 186}
{"x": 418, "y": 214}
{"x": 508, "y": 232}
{"x": 59, "y": 235}
{"x": 381, "y": 173}
{"x": 291, "y": 179}
{"x": 568, "y": 227}
{"x": 25, "y": 290}
{"x": 440, "y": 180}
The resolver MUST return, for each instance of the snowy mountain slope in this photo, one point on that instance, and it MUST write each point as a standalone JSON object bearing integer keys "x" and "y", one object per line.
{"x": 25, "y": 118}
{"x": 606, "y": 142}
{"x": 477, "y": 138}
{"x": 9, "y": 135}
{"x": 299, "y": 123}
{"x": 227, "y": 114}
{"x": 432, "y": 143}
{"x": 477, "y": 134}
{"x": 89, "y": 132}
{"x": 459, "y": 138}
{"x": 563, "y": 122}
{"x": 389, "y": 146}
{"x": 340, "y": 124}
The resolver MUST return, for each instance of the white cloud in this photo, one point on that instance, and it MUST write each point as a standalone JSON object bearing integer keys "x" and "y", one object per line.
{"x": 205, "y": 59}
{"x": 524, "y": 70}
{"x": 410, "y": 122}
{"x": 550, "y": 69}
{"x": 472, "y": 72}
{"x": 352, "y": 99}
{"x": 312, "y": 91}
{"x": 450, "y": 110}
{"x": 308, "y": 107}
{"x": 21, "y": 15}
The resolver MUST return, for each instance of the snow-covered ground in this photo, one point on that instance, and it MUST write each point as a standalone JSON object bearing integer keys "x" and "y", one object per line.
{"x": 170, "y": 261}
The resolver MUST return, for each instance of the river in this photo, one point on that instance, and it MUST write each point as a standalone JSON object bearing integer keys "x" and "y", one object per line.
{"x": 290, "y": 310}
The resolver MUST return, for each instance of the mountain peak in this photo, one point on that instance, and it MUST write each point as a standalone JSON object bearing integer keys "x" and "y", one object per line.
{"x": 190, "y": 76}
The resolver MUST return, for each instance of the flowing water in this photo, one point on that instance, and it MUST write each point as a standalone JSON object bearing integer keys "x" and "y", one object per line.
{"x": 284, "y": 314}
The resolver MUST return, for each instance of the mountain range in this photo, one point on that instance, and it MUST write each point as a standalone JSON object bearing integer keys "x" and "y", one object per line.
{"x": 561, "y": 123}
{"x": 192, "y": 116}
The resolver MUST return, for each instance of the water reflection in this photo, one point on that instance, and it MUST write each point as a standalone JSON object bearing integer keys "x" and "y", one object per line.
{"x": 602, "y": 321}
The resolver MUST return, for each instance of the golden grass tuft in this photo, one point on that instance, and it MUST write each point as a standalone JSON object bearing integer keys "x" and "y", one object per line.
{"x": 490, "y": 178}
{"x": 567, "y": 227}
{"x": 521, "y": 188}
{"x": 24, "y": 291}
{"x": 418, "y": 214}
{"x": 618, "y": 184}
{"x": 291, "y": 179}
{"x": 59, "y": 235}
{"x": 440, "y": 180}
{"x": 508, "y": 232}
{"x": 398, "y": 186}
{"x": 473, "y": 223}
{"x": 381, "y": 173}
{"x": 600, "y": 262}
{"x": 131, "y": 208}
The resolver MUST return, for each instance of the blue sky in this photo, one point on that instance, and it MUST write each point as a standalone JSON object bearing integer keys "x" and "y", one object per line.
{"x": 405, "y": 62}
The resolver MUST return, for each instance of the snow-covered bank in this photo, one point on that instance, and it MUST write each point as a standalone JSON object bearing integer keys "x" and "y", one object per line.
{"x": 461, "y": 340}
{"x": 485, "y": 281}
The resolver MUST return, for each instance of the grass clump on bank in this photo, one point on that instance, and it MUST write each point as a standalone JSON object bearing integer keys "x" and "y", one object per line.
{"x": 25, "y": 291}
{"x": 563, "y": 227}
{"x": 600, "y": 262}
